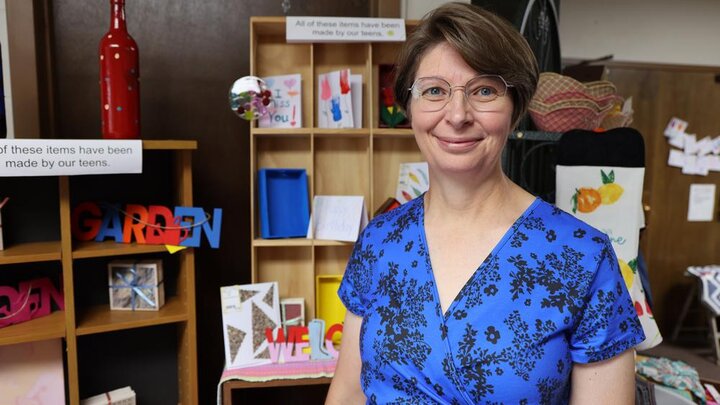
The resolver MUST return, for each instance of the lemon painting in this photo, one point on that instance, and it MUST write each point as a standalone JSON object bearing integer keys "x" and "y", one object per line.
{"x": 610, "y": 191}
{"x": 588, "y": 199}
{"x": 628, "y": 271}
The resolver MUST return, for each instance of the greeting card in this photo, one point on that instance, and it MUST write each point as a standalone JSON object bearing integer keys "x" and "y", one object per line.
{"x": 286, "y": 94}
{"x": 247, "y": 311}
{"x": 335, "y": 100}
{"x": 413, "y": 180}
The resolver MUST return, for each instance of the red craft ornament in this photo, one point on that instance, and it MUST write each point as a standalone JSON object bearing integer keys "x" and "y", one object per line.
{"x": 119, "y": 78}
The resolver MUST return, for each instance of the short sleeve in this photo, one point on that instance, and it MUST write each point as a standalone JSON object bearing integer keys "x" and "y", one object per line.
{"x": 608, "y": 324}
{"x": 356, "y": 281}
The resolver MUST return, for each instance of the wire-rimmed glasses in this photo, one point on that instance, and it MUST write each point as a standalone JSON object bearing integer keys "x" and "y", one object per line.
{"x": 481, "y": 92}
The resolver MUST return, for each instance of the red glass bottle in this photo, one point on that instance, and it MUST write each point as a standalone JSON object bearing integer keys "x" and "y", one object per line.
{"x": 119, "y": 78}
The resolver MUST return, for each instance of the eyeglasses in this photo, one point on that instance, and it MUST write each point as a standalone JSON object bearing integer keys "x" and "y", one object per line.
{"x": 481, "y": 92}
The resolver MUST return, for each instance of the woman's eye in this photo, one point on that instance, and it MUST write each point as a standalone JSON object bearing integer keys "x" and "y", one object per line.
{"x": 485, "y": 91}
{"x": 434, "y": 92}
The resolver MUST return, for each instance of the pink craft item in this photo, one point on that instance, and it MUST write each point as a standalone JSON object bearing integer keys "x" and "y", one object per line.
{"x": 33, "y": 299}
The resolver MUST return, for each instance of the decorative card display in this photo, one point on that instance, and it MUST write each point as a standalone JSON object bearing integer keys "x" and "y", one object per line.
{"x": 32, "y": 299}
{"x": 335, "y": 100}
{"x": 609, "y": 198}
{"x": 287, "y": 96}
{"x": 391, "y": 115}
{"x": 136, "y": 285}
{"x": 413, "y": 180}
{"x": 32, "y": 373}
{"x": 247, "y": 311}
{"x": 292, "y": 311}
{"x": 337, "y": 217}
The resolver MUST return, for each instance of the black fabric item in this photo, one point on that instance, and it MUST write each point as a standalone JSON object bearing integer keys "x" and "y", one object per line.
{"x": 644, "y": 392}
{"x": 621, "y": 147}
{"x": 538, "y": 21}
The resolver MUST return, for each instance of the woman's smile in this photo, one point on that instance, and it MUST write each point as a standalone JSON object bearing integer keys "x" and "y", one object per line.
{"x": 457, "y": 144}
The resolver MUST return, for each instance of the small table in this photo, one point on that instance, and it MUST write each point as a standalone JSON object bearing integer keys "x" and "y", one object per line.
{"x": 313, "y": 372}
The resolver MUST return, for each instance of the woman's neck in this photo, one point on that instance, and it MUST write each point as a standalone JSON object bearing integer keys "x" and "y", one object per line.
{"x": 458, "y": 200}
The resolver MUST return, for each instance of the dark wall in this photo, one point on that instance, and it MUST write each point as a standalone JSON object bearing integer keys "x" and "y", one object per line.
{"x": 191, "y": 51}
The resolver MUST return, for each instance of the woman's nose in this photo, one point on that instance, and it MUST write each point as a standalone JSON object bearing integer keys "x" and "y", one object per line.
{"x": 458, "y": 107}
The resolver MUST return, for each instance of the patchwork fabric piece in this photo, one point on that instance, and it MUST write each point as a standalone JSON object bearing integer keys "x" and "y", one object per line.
{"x": 672, "y": 373}
{"x": 550, "y": 294}
{"x": 710, "y": 278}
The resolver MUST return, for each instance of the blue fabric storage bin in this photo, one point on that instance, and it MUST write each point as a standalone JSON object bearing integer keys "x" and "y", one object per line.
{"x": 283, "y": 202}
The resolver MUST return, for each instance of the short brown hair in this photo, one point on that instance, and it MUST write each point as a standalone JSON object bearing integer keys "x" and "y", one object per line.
{"x": 488, "y": 44}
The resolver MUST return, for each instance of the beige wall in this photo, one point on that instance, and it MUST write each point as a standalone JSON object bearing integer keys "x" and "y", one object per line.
{"x": 655, "y": 31}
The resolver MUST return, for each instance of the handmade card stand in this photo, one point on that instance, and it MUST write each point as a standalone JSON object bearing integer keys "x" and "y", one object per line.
{"x": 283, "y": 203}
{"x": 338, "y": 217}
{"x": 247, "y": 311}
{"x": 136, "y": 285}
{"x": 32, "y": 299}
{"x": 32, "y": 373}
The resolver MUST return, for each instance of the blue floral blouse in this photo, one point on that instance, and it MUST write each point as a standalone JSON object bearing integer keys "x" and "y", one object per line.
{"x": 550, "y": 294}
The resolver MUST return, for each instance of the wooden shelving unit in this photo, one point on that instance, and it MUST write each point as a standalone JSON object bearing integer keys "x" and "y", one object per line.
{"x": 81, "y": 320}
{"x": 355, "y": 161}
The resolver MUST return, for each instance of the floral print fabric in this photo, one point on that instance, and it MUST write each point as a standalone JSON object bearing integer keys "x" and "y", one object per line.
{"x": 550, "y": 294}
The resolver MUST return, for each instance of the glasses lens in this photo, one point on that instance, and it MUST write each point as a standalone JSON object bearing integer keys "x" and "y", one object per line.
{"x": 431, "y": 93}
{"x": 484, "y": 89}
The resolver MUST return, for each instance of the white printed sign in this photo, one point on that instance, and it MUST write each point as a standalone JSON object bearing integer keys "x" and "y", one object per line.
{"x": 701, "y": 204}
{"x": 344, "y": 29}
{"x": 64, "y": 157}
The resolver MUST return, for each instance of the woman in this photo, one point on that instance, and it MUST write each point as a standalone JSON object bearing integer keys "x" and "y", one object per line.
{"x": 477, "y": 292}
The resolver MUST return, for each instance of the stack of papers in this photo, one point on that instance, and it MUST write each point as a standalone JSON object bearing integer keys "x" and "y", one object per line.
{"x": 121, "y": 396}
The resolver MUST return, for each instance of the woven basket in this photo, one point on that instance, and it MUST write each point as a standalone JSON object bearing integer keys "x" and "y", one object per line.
{"x": 573, "y": 116}
{"x": 552, "y": 84}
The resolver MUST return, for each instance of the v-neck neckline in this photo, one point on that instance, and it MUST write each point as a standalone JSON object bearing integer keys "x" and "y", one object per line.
{"x": 495, "y": 250}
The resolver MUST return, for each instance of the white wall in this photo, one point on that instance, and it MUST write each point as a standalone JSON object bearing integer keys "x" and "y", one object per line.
{"x": 655, "y": 31}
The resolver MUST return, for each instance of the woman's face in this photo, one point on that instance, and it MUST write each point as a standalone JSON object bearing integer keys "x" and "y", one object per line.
{"x": 458, "y": 139}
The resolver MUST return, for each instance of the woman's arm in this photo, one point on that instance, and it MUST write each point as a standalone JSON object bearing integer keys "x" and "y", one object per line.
{"x": 345, "y": 387}
{"x": 610, "y": 381}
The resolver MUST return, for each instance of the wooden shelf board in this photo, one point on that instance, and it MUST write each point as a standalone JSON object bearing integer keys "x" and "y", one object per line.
{"x": 84, "y": 250}
{"x": 331, "y": 243}
{"x": 46, "y": 327}
{"x": 169, "y": 145}
{"x": 342, "y": 132}
{"x": 285, "y": 132}
{"x": 100, "y": 318}
{"x": 30, "y": 252}
{"x": 393, "y": 132}
{"x": 259, "y": 242}
{"x": 286, "y": 382}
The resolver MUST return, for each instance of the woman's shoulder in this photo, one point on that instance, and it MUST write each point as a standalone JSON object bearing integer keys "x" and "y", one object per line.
{"x": 395, "y": 224}
{"x": 407, "y": 211}
{"x": 562, "y": 222}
